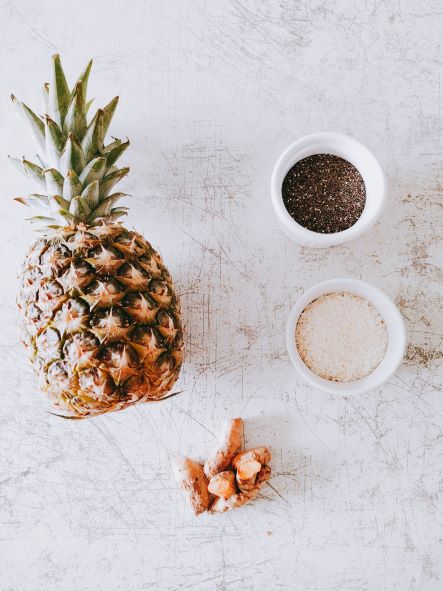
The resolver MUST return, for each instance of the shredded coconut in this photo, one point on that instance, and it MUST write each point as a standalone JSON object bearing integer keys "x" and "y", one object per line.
{"x": 341, "y": 337}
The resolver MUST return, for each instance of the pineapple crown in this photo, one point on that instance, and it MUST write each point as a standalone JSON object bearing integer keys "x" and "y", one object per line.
{"x": 76, "y": 171}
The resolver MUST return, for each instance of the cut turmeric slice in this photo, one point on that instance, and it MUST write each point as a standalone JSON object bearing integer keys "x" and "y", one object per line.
{"x": 230, "y": 443}
{"x": 223, "y": 484}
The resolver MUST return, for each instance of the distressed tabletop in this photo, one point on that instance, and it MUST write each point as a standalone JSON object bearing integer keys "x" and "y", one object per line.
{"x": 211, "y": 93}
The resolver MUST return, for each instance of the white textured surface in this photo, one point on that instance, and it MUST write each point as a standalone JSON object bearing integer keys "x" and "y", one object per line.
{"x": 211, "y": 92}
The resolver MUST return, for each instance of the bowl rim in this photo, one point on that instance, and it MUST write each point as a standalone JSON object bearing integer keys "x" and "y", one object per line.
{"x": 296, "y": 231}
{"x": 394, "y": 323}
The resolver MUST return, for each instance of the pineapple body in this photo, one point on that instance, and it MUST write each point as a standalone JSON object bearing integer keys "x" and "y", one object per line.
{"x": 101, "y": 320}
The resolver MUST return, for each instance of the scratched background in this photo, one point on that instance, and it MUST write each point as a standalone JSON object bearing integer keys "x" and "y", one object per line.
{"x": 211, "y": 93}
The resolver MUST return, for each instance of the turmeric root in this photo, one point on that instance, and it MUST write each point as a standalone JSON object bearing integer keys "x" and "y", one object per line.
{"x": 229, "y": 446}
{"x": 220, "y": 504}
{"x": 248, "y": 464}
{"x": 229, "y": 479}
{"x": 248, "y": 469}
{"x": 245, "y": 482}
{"x": 223, "y": 484}
{"x": 193, "y": 481}
{"x": 258, "y": 454}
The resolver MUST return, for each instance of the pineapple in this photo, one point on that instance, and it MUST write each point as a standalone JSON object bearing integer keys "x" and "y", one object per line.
{"x": 101, "y": 320}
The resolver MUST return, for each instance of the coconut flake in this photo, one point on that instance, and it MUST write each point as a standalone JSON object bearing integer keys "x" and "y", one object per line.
{"x": 341, "y": 337}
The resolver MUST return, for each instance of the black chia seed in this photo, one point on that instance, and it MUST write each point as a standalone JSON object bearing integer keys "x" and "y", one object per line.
{"x": 324, "y": 193}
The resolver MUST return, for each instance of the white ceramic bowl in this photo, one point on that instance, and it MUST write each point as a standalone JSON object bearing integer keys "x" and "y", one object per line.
{"x": 352, "y": 151}
{"x": 394, "y": 324}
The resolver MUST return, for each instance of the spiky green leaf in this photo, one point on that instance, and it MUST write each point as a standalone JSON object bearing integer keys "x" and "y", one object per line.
{"x": 42, "y": 218}
{"x": 93, "y": 141}
{"x": 114, "y": 152}
{"x": 31, "y": 170}
{"x": 108, "y": 113}
{"x": 54, "y": 142}
{"x": 91, "y": 194}
{"x": 72, "y": 187}
{"x": 57, "y": 202}
{"x": 54, "y": 181}
{"x": 73, "y": 157}
{"x": 94, "y": 171}
{"x": 111, "y": 146}
{"x": 58, "y": 91}
{"x": 83, "y": 79}
{"x": 75, "y": 119}
{"x": 117, "y": 213}
{"x": 111, "y": 169}
{"x": 110, "y": 180}
{"x": 46, "y": 227}
{"x": 36, "y": 201}
{"x": 35, "y": 123}
{"x": 68, "y": 216}
{"x": 79, "y": 208}
{"x": 105, "y": 206}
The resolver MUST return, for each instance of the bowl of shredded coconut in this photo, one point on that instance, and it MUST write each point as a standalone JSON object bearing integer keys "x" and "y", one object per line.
{"x": 345, "y": 336}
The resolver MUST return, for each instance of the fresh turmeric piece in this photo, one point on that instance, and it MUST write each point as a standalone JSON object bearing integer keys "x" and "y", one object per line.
{"x": 230, "y": 443}
{"x": 258, "y": 454}
{"x": 220, "y": 504}
{"x": 192, "y": 479}
{"x": 248, "y": 464}
{"x": 223, "y": 484}
{"x": 248, "y": 469}
{"x": 246, "y": 477}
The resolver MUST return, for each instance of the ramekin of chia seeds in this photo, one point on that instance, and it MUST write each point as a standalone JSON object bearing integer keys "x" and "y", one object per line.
{"x": 327, "y": 188}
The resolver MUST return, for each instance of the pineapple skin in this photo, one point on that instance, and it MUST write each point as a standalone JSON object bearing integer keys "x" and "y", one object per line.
{"x": 101, "y": 320}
